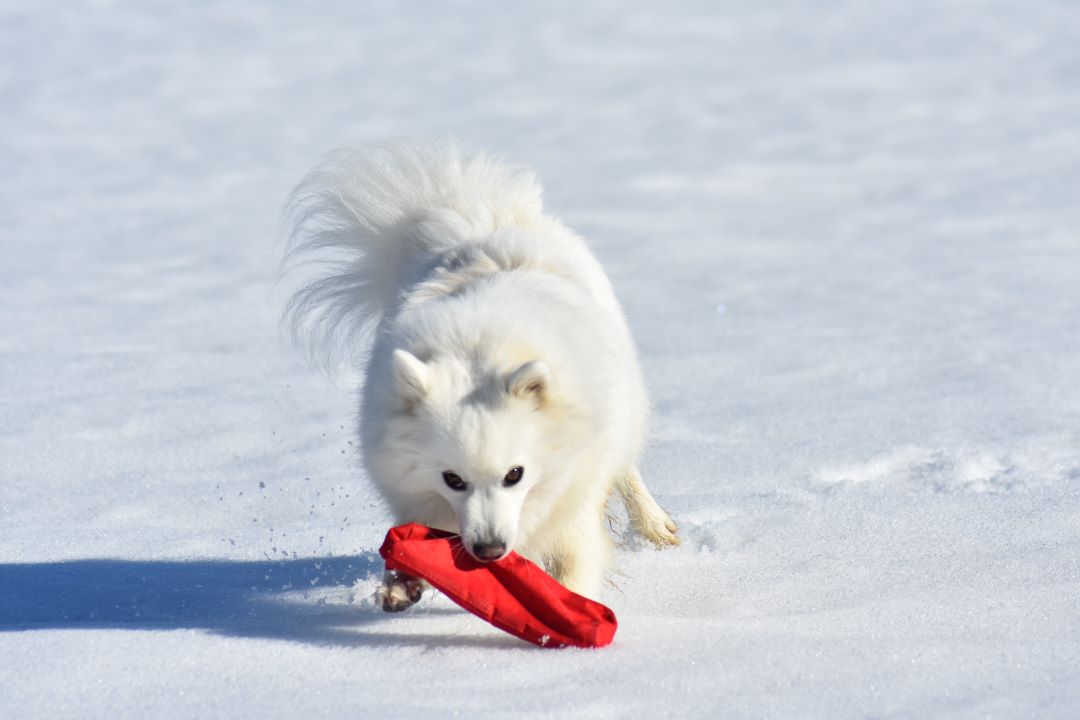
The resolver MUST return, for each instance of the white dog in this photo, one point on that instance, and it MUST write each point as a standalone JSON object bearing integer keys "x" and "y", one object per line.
{"x": 502, "y": 397}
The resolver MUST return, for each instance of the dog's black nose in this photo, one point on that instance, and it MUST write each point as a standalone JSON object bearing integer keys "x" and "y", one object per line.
{"x": 489, "y": 551}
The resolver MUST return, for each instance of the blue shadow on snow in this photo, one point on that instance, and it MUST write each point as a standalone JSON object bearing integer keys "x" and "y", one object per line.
{"x": 241, "y": 599}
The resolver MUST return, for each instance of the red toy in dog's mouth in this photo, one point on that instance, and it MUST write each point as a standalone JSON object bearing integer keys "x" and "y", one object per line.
{"x": 513, "y": 594}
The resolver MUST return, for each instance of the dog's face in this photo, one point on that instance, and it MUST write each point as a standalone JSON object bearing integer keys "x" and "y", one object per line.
{"x": 476, "y": 444}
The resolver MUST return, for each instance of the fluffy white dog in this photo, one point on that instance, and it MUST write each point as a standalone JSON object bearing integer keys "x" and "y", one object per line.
{"x": 502, "y": 396}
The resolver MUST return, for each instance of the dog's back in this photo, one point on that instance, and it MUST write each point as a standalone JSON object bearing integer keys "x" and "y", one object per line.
{"x": 369, "y": 224}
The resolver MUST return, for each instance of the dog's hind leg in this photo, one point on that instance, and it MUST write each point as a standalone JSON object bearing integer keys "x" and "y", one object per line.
{"x": 647, "y": 517}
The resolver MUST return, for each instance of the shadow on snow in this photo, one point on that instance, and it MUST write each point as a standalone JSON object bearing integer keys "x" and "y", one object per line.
{"x": 274, "y": 599}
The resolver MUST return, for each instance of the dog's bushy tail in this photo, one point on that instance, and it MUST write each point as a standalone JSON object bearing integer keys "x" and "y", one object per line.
{"x": 367, "y": 222}
{"x": 647, "y": 517}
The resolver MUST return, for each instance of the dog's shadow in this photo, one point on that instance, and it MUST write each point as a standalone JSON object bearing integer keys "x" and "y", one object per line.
{"x": 284, "y": 600}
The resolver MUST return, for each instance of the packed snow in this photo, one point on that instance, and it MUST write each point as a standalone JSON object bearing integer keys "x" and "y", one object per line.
{"x": 847, "y": 237}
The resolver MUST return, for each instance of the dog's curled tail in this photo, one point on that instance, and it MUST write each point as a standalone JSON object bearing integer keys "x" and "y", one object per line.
{"x": 367, "y": 222}
{"x": 649, "y": 519}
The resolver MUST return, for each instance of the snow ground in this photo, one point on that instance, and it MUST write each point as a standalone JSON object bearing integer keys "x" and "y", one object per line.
{"x": 846, "y": 235}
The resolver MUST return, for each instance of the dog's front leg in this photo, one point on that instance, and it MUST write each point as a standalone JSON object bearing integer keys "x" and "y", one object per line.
{"x": 399, "y": 591}
{"x": 583, "y": 556}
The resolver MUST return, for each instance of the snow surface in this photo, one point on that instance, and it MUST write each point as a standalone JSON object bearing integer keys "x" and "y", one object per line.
{"x": 846, "y": 236}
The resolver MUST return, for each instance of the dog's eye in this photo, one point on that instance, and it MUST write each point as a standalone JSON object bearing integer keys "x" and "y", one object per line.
{"x": 514, "y": 476}
{"x": 454, "y": 481}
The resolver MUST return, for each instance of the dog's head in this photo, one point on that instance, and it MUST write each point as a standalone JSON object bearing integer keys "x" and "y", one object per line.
{"x": 479, "y": 443}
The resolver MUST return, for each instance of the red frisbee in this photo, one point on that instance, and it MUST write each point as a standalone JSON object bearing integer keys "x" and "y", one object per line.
{"x": 513, "y": 594}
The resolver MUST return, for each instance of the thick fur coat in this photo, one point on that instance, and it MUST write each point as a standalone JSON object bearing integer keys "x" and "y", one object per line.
{"x": 502, "y": 396}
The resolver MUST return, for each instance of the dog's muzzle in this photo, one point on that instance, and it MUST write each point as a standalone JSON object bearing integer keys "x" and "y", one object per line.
{"x": 488, "y": 550}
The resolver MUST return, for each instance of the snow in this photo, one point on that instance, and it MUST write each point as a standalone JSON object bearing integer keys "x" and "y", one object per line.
{"x": 846, "y": 236}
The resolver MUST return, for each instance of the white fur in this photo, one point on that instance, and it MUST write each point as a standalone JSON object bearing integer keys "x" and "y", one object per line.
{"x": 498, "y": 342}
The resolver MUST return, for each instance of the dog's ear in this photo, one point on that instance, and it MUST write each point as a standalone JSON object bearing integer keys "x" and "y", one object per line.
{"x": 410, "y": 377}
{"x": 530, "y": 380}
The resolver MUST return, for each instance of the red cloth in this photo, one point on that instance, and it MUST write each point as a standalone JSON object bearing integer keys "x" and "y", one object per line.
{"x": 512, "y": 594}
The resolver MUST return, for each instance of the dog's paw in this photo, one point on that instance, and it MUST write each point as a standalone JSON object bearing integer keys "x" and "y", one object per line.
{"x": 663, "y": 533}
{"x": 398, "y": 592}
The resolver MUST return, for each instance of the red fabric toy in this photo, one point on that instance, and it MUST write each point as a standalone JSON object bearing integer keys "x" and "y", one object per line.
{"x": 512, "y": 594}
